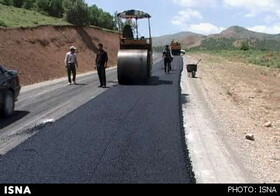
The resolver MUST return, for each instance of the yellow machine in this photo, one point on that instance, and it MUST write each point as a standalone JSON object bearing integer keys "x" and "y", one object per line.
{"x": 135, "y": 54}
{"x": 175, "y": 48}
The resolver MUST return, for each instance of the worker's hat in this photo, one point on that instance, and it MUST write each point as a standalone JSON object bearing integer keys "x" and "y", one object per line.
{"x": 73, "y": 48}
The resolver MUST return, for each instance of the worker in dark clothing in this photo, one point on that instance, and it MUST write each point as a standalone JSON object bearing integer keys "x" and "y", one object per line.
{"x": 101, "y": 65}
{"x": 167, "y": 59}
{"x": 127, "y": 32}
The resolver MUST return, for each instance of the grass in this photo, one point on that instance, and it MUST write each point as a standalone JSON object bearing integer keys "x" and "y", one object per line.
{"x": 18, "y": 17}
{"x": 257, "y": 57}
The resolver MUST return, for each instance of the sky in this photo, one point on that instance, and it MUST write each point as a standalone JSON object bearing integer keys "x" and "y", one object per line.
{"x": 201, "y": 16}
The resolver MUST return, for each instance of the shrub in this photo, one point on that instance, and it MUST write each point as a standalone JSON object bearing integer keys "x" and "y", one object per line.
{"x": 245, "y": 46}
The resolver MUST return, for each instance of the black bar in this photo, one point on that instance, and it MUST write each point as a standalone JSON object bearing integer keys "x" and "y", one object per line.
{"x": 167, "y": 189}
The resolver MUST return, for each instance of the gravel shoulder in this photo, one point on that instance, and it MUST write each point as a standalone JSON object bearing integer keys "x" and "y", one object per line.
{"x": 227, "y": 101}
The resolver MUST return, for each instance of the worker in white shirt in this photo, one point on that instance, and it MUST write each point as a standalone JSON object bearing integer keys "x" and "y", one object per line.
{"x": 71, "y": 62}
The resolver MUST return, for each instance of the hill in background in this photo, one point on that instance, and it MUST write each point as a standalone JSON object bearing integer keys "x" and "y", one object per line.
{"x": 187, "y": 39}
{"x": 232, "y": 38}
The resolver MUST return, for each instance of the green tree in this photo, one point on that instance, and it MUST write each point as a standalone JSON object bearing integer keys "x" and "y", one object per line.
{"x": 18, "y": 3}
{"x": 42, "y": 6}
{"x": 100, "y": 18}
{"x": 95, "y": 14}
{"x": 77, "y": 12}
{"x": 29, "y": 4}
{"x": 55, "y": 8}
{"x": 7, "y": 2}
{"x": 106, "y": 20}
{"x": 50, "y": 7}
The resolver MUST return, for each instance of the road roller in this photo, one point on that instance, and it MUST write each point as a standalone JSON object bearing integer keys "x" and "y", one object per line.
{"x": 135, "y": 54}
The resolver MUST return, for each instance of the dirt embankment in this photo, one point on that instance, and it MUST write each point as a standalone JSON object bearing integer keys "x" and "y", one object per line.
{"x": 38, "y": 53}
{"x": 247, "y": 99}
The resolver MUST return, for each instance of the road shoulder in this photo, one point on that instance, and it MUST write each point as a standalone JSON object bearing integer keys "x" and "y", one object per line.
{"x": 212, "y": 158}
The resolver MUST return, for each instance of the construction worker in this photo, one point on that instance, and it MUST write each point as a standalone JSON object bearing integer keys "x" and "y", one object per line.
{"x": 167, "y": 59}
{"x": 101, "y": 65}
{"x": 71, "y": 62}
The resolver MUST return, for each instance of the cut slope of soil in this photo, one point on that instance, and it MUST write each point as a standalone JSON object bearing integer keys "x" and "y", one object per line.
{"x": 38, "y": 53}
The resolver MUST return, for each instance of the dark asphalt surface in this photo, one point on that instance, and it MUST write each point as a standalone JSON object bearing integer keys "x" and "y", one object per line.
{"x": 129, "y": 134}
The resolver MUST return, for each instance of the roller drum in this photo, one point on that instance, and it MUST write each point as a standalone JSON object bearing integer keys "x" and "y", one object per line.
{"x": 133, "y": 66}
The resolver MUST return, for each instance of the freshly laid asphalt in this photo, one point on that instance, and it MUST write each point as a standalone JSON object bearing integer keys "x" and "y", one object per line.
{"x": 128, "y": 134}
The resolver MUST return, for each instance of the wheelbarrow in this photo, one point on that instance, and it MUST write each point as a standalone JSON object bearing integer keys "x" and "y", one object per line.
{"x": 192, "y": 68}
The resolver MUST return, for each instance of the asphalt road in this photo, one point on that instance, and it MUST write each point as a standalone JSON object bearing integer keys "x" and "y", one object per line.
{"x": 49, "y": 100}
{"x": 127, "y": 134}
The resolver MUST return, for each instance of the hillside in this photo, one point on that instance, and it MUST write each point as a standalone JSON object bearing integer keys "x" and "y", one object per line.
{"x": 187, "y": 39}
{"x": 17, "y": 17}
{"x": 231, "y": 38}
{"x": 35, "y": 44}
{"x": 38, "y": 53}
{"x": 237, "y": 32}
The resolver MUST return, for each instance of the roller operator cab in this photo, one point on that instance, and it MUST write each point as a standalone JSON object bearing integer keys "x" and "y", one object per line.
{"x": 135, "y": 54}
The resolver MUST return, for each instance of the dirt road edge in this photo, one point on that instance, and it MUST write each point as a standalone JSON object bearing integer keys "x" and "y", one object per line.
{"x": 212, "y": 159}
